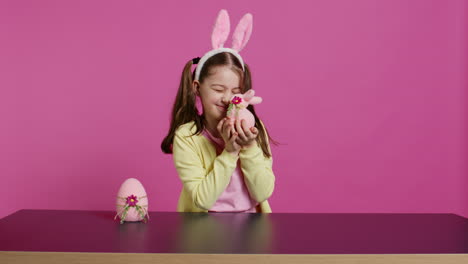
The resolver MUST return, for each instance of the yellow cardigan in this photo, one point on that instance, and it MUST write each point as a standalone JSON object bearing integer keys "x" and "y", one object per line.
{"x": 205, "y": 175}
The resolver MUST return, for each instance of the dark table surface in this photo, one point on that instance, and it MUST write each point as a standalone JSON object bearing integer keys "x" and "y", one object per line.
{"x": 277, "y": 233}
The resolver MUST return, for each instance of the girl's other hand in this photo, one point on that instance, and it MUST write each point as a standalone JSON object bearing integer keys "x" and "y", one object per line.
{"x": 229, "y": 135}
{"x": 247, "y": 137}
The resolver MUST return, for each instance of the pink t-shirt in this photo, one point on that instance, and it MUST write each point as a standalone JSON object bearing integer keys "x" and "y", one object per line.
{"x": 236, "y": 197}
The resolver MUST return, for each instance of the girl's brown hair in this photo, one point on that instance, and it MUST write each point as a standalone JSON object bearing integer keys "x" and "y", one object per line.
{"x": 185, "y": 110}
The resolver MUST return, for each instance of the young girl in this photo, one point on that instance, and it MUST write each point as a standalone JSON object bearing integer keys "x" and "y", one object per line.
{"x": 224, "y": 166}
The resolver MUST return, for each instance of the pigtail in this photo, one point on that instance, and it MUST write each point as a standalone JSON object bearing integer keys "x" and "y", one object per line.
{"x": 184, "y": 109}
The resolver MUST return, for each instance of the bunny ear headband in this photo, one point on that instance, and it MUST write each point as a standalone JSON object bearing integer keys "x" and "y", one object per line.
{"x": 220, "y": 34}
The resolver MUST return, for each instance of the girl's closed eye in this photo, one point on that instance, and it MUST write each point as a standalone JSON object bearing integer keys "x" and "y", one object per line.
{"x": 217, "y": 88}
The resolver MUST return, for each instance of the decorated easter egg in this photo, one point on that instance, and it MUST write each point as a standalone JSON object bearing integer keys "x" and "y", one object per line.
{"x": 237, "y": 109}
{"x": 132, "y": 201}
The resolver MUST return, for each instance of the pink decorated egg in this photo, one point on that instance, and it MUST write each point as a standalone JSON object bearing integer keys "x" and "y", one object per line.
{"x": 237, "y": 109}
{"x": 132, "y": 201}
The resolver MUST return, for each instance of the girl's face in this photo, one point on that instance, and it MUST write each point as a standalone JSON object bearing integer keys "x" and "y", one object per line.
{"x": 216, "y": 91}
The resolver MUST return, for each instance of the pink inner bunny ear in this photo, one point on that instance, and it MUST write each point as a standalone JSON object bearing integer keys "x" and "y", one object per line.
{"x": 220, "y": 30}
{"x": 242, "y": 33}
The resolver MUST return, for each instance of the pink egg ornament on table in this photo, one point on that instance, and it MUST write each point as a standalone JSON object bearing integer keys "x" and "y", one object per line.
{"x": 237, "y": 109}
{"x": 132, "y": 202}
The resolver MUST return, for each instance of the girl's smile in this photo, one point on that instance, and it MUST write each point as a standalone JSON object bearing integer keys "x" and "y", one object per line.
{"x": 222, "y": 108}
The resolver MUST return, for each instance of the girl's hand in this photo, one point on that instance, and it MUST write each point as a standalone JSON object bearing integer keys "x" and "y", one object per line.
{"x": 229, "y": 135}
{"x": 247, "y": 137}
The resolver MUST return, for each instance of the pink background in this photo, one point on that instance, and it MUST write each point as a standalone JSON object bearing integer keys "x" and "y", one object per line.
{"x": 368, "y": 99}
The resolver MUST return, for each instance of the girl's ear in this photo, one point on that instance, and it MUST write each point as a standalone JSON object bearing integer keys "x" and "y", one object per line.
{"x": 196, "y": 87}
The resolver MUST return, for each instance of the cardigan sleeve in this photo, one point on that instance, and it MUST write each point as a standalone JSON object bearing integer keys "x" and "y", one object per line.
{"x": 258, "y": 172}
{"x": 204, "y": 185}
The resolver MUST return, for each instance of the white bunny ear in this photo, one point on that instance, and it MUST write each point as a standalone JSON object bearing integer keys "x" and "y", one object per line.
{"x": 250, "y": 97}
{"x": 221, "y": 30}
{"x": 255, "y": 100}
{"x": 249, "y": 94}
{"x": 242, "y": 33}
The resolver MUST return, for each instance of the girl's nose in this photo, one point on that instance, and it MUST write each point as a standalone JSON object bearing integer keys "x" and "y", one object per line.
{"x": 226, "y": 98}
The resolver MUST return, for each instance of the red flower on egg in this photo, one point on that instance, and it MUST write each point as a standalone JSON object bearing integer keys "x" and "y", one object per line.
{"x": 132, "y": 200}
{"x": 236, "y": 100}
